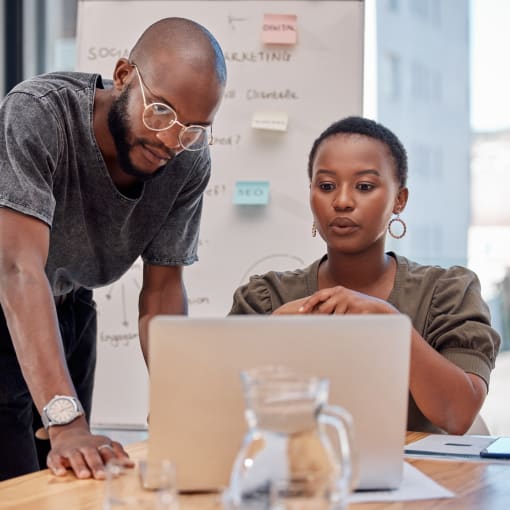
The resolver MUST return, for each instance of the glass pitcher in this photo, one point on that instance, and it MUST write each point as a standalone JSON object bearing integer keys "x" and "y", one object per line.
{"x": 292, "y": 435}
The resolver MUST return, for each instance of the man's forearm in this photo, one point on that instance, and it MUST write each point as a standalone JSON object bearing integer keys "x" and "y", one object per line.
{"x": 30, "y": 313}
{"x": 164, "y": 302}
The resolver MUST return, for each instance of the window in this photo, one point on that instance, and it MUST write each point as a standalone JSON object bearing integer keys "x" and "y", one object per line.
{"x": 392, "y": 77}
{"x": 48, "y": 32}
{"x": 426, "y": 160}
{"x": 426, "y": 83}
{"x": 426, "y": 10}
{"x": 392, "y": 5}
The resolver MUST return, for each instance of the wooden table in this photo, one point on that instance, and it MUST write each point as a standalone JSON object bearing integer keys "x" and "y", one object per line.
{"x": 478, "y": 486}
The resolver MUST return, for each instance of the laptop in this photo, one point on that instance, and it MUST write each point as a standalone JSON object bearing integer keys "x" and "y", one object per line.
{"x": 196, "y": 395}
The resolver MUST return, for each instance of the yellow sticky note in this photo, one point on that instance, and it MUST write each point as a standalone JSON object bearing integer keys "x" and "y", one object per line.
{"x": 279, "y": 29}
{"x": 271, "y": 121}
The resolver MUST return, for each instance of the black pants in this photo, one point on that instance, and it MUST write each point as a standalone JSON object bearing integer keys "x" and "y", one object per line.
{"x": 20, "y": 451}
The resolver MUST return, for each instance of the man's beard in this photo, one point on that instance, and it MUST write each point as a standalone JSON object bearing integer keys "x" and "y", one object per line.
{"x": 118, "y": 123}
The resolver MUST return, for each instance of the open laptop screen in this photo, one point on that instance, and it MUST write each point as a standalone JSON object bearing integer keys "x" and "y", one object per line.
{"x": 196, "y": 398}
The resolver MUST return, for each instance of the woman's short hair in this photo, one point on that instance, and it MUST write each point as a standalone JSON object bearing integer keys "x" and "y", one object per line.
{"x": 372, "y": 129}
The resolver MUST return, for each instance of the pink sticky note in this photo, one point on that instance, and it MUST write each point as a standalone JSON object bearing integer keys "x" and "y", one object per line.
{"x": 279, "y": 29}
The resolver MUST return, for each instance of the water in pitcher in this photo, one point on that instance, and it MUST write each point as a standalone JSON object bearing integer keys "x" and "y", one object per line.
{"x": 287, "y": 439}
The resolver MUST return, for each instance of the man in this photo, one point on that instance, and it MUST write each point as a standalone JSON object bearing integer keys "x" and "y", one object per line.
{"x": 94, "y": 174}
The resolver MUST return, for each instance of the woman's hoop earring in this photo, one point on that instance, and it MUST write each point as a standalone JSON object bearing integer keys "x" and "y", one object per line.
{"x": 314, "y": 230}
{"x": 402, "y": 224}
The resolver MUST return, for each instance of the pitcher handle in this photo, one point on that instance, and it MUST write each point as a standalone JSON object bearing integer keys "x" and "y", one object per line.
{"x": 341, "y": 420}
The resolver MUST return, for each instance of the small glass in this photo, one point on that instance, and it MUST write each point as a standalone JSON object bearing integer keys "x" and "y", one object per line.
{"x": 306, "y": 492}
{"x": 151, "y": 485}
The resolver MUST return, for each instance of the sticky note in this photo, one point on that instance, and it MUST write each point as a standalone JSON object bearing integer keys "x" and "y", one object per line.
{"x": 272, "y": 121}
{"x": 251, "y": 193}
{"x": 279, "y": 29}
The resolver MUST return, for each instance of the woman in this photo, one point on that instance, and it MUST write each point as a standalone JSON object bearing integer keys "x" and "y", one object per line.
{"x": 358, "y": 172}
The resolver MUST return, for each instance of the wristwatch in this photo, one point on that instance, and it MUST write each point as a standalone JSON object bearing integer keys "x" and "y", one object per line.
{"x": 61, "y": 410}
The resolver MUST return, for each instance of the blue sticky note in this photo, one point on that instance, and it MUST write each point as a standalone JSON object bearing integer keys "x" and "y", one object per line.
{"x": 251, "y": 193}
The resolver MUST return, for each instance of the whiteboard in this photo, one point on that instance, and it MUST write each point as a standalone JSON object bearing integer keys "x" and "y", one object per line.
{"x": 311, "y": 83}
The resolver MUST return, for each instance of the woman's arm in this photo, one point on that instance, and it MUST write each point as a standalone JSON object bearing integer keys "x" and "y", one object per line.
{"x": 447, "y": 396}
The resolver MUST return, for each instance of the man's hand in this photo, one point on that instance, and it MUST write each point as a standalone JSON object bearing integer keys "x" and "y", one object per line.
{"x": 75, "y": 448}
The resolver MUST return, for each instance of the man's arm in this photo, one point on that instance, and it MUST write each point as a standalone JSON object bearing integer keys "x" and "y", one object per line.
{"x": 29, "y": 308}
{"x": 162, "y": 292}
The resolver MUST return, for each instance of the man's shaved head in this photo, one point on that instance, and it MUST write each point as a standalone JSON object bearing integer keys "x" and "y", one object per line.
{"x": 185, "y": 38}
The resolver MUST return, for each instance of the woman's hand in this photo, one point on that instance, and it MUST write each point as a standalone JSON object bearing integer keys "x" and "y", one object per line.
{"x": 291, "y": 308}
{"x": 343, "y": 301}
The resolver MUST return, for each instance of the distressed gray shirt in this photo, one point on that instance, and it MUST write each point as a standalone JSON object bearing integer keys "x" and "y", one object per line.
{"x": 51, "y": 168}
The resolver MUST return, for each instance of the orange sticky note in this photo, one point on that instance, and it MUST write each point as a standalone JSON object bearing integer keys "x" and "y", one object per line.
{"x": 279, "y": 29}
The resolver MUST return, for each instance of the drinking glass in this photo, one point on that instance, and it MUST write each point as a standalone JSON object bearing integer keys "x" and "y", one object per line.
{"x": 150, "y": 485}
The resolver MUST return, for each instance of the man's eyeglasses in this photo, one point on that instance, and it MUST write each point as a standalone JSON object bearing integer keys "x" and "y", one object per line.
{"x": 160, "y": 116}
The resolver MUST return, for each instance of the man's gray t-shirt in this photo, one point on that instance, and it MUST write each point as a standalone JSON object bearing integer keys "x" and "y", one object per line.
{"x": 51, "y": 168}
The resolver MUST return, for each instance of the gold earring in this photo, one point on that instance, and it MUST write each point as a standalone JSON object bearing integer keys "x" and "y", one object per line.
{"x": 314, "y": 230}
{"x": 402, "y": 224}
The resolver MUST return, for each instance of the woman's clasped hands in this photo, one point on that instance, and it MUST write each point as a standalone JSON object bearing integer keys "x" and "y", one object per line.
{"x": 336, "y": 300}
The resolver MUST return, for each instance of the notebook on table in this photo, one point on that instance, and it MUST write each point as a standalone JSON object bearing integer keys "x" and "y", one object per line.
{"x": 196, "y": 395}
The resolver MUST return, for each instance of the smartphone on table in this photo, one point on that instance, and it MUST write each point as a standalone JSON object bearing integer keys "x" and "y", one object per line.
{"x": 498, "y": 449}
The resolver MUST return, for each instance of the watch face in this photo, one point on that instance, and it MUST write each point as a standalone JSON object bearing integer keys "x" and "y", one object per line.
{"x": 62, "y": 410}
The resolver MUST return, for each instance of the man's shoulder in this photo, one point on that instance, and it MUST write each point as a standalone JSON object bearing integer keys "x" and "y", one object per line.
{"x": 44, "y": 84}
{"x": 194, "y": 164}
